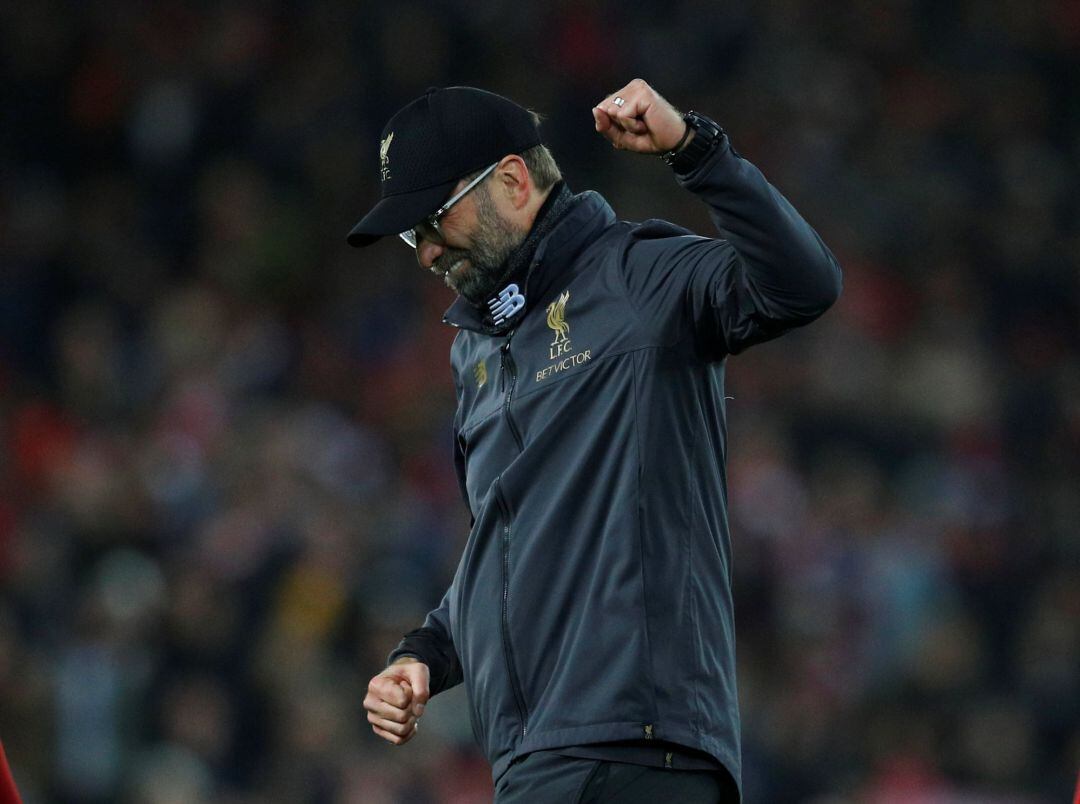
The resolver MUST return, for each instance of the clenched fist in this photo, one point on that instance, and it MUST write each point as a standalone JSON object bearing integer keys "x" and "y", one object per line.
{"x": 644, "y": 122}
{"x": 396, "y": 698}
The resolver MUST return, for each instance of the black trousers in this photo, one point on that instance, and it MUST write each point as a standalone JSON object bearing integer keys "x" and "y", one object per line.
{"x": 546, "y": 778}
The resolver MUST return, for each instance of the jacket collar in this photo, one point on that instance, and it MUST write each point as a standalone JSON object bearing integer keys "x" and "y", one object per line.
{"x": 587, "y": 214}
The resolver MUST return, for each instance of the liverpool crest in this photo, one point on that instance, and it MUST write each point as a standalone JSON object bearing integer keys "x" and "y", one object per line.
{"x": 560, "y": 348}
{"x": 384, "y": 156}
{"x": 556, "y": 320}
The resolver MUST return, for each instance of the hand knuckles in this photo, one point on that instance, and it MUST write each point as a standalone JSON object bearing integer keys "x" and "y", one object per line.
{"x": 386, "y": 735}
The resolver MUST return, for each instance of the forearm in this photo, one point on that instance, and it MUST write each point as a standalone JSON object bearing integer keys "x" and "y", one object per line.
{"x": 433, "y": 644}
{"x": 791, "y": 274}
{"x": 438, "y": 654}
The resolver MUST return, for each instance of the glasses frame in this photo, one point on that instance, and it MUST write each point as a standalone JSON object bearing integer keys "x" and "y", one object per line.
{"x": 412, "y": 238}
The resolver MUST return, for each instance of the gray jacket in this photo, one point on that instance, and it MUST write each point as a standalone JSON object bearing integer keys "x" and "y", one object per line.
{"x": 592, "y": 602}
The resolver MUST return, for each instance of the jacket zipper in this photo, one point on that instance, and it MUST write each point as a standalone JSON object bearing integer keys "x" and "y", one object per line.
{"x": 506, "y": 363}
{"x": 515, "y": 685}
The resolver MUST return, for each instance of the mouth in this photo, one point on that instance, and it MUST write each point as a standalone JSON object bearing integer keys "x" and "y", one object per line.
{"x": 451, "y": 273}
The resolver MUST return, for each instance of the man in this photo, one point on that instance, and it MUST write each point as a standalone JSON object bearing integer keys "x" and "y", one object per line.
{"x": 590, "y": 616}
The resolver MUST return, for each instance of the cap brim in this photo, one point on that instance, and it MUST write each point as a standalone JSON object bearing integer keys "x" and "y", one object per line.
{"x": 396, "y": 213}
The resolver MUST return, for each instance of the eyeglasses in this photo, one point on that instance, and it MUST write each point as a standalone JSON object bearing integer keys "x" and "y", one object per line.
{"x": 413, "y": 236}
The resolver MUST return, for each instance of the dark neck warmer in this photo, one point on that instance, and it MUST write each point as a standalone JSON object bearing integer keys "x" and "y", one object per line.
{"x": 554, "y": 208}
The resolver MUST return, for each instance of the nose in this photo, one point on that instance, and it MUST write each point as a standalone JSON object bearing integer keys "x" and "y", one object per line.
{"x": 427, "y": 252}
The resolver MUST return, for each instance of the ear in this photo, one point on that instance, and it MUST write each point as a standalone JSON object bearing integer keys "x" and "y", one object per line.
{"x": 513, "y": 179}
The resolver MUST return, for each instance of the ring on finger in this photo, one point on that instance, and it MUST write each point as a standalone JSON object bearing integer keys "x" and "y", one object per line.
{"x": 618, "y": 101}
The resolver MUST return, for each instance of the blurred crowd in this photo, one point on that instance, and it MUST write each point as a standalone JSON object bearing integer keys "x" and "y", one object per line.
{"x": 226, "y": 484}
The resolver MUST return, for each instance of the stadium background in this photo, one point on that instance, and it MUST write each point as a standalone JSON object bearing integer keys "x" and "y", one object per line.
{"x": 225, "y": 475}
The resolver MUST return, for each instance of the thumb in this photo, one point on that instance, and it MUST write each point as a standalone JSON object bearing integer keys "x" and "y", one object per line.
{"x": 418, "y": 676}
{"x": 601, "y": 119}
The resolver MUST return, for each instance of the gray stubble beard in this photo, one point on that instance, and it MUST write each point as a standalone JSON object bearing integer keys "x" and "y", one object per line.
{"x": 493, "y": 241}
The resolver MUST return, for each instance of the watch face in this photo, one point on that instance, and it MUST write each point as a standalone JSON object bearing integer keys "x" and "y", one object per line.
{"x": 703, "y": 124}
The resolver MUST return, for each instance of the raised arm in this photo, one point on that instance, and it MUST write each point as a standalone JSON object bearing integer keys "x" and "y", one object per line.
{"x": 769, "y": 272}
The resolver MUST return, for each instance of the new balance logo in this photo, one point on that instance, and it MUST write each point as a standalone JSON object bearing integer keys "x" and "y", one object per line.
{"x": 507, "y": 304}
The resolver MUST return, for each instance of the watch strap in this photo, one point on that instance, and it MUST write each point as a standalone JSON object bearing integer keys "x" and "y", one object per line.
{"x": 707, "y": 134}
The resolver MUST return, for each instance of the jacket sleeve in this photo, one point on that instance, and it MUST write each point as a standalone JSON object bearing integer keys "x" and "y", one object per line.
{"x": 459, "y": 470}
{"x": 459, "y": 450}
{"x": 770, "y": 272}
{"x": 433, "y": 644}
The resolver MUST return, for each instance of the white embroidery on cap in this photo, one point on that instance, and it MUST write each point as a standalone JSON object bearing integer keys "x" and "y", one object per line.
{"x": 384, "y": 155}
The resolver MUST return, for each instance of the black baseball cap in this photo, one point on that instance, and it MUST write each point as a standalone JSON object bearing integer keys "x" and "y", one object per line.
{"x": 430, "y": 144}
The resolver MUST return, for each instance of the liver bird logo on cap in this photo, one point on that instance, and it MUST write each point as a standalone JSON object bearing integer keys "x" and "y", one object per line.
{"x": 384, "y": 156}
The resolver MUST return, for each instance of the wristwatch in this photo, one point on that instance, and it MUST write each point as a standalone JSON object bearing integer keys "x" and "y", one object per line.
{"x": 707, "y": 134}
